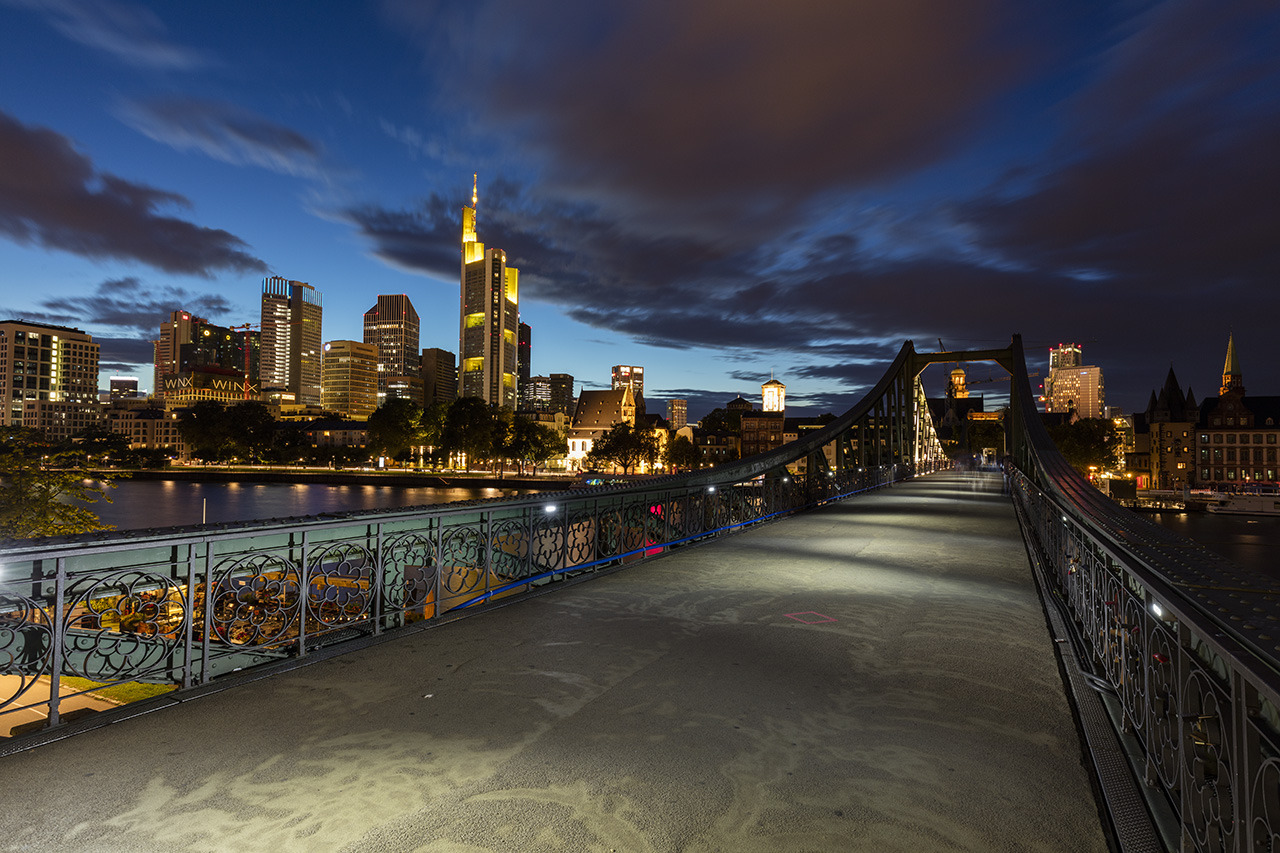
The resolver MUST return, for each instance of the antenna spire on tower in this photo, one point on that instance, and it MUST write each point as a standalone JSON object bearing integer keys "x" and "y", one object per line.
{"x": 475, "y": 195}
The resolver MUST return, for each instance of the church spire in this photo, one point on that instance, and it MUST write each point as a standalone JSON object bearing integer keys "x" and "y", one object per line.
{"x": 1232, "y": 377}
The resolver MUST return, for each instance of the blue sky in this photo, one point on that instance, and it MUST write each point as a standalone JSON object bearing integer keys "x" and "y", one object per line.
{"x": 714, "y": 190}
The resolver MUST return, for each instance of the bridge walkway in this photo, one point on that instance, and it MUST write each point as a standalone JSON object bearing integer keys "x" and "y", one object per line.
{"x": 874, "y": 675}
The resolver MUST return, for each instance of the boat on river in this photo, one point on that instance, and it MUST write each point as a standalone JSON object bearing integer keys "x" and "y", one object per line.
{"x": 1246, "y": 504}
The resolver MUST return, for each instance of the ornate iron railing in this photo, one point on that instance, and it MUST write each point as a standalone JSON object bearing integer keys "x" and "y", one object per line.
{"x": 183, "y": 606}
{"x": 1180, "y": 644}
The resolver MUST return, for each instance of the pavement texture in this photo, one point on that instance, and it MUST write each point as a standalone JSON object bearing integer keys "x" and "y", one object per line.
{"x": 874, "y": 675}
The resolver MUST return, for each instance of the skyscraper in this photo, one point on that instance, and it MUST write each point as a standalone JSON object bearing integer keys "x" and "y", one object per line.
{"x": 487, "y": 332}
{"x": 1064, "y": 355}
{"x": 291, "y": 337}
{"x": 350, "y": 378}
{"x": 626, "y": 374}
{"x": 392, "y": 326}
{"x": 524, "y": 357}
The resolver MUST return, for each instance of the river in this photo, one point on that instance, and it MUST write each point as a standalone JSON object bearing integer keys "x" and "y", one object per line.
{"x": 1251, "y": 542}
{"x": 138, "y": 504}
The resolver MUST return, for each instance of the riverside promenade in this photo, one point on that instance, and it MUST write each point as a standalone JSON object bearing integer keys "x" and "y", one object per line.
{"x": 875, "y": 675}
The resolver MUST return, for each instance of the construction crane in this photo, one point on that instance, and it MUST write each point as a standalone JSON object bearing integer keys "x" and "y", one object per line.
{"x": 245, "y": 327}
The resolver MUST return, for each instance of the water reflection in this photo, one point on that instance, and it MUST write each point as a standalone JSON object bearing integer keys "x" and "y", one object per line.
{"x": 140, "y": 504}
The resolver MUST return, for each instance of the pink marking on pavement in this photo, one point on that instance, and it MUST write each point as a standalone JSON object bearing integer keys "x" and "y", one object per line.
{"x": 799, "y": 617}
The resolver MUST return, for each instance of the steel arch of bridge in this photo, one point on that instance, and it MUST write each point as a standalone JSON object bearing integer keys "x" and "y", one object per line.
{"x": 1171, "y": 651}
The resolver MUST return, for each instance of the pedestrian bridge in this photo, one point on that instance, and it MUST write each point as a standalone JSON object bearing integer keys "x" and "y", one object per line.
{"x": 875, "y": 672}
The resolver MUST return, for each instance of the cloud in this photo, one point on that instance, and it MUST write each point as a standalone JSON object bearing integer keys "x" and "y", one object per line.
{"x": 718, "y": 109}
{"x": 128, "y": 303}
{"x": 1168, "y": 178}
{"x": 52, "y": 195}
{"x": 131, "y": 34}
{"x": 768, "y": 187}
{"x": 116, "y": 354}
{"x": 224, "y": 132}
{"x": 129, "y": 308}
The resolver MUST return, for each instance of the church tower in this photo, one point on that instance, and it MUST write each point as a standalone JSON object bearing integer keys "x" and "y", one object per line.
{"x": 1232, "y": 377}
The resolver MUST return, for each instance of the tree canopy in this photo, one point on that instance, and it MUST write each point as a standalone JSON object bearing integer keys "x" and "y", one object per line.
{"x": 625, "y": 446}
{"x": 38, "y": 478}
{"x": 1089, "y": 442}
{"x": 216, "y": 432}
{"x": 395, "y": 427}
{"x": 683, "y": 454}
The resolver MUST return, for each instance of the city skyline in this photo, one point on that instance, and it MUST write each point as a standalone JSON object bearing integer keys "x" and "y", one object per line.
{"x": 1099, "y": 175}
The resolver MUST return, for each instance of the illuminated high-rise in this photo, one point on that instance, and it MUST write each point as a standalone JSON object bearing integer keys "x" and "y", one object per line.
{"x": 392, "y": 326}
{"x": 489, "y": 327}
{"x": 628, "y": 375}
{"x": 50, "y": 380}
{"x": 350, "y": 378}
{"x": 1073, "y": 386}
{"x": 291, "y": 338}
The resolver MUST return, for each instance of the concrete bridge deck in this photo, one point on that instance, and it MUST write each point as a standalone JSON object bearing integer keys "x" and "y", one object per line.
{"x": 680, "y": 705}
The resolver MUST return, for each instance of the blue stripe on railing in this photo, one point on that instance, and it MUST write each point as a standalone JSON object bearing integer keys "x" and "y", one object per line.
{"x": 584, "y": 566}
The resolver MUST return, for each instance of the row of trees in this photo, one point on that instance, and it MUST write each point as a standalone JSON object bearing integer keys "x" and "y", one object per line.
{"x": 626, "y": 446}
{"x": 468, "y": 429}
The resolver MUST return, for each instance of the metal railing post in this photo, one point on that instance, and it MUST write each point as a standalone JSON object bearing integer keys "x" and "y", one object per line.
{"x": 59, "y": 620}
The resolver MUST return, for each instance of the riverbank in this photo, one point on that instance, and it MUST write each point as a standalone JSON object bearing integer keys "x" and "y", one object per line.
{"x": 330, "y": 477}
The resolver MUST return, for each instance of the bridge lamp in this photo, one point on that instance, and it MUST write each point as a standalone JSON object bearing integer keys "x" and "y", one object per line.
{"x": 1157, "y": 609}
{"x": 549, "y": 508}
{"x": 711, "y": 489}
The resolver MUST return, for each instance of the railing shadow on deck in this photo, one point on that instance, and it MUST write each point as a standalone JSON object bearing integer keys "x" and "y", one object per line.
{"x": 181, "y": 608}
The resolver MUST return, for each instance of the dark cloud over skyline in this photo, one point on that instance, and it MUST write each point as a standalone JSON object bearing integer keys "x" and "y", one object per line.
{"x": 1154, "y": 184}
{"x": 52, "y": 195}
{"x": 705, "y": 186}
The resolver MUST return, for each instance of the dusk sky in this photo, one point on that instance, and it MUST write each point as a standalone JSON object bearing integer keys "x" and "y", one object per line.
{"x": 713, "y": 190}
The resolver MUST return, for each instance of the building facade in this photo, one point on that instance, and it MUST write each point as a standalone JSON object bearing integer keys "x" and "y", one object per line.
{"x": 349, "y": 378}
{"x": 488, "y": 329}
{"x": 148, "y": 429}
{"x": 48, "y": 378}
{"x": 597, "y": 413}
{"x": 392, "y": 326}
{"x": 535, "y": 394}
{"x": 124, "y": 387}
{"x": 1238, "y": 435}
{"x": 773, "y": 395}
{"x": 292, "y": 352}
{"x": 190, "y": 344}
{"x": 761, "y": 432}
{"x": 677, "y": 413}
{"x": 439, "y": 372}
{"x": 563, "y": 399}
